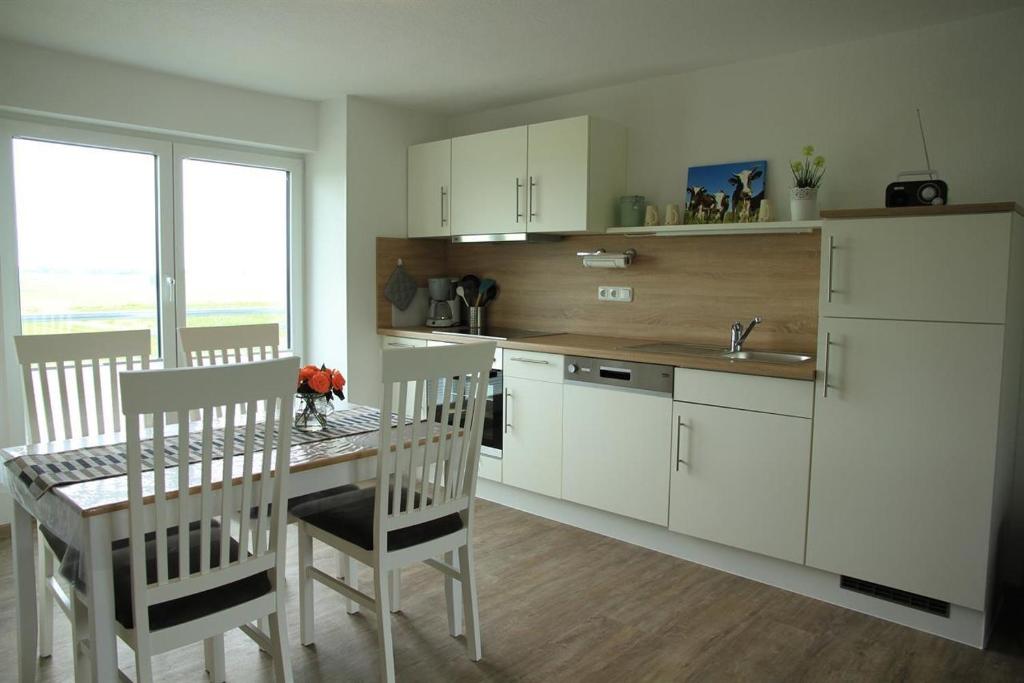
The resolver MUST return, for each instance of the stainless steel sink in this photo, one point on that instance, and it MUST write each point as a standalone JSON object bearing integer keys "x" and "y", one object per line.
{"x": 767, "y": 356}
{"x": 671, "y": 347}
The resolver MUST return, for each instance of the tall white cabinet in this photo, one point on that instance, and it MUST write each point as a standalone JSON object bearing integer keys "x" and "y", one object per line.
{"x": 919, "y": 366}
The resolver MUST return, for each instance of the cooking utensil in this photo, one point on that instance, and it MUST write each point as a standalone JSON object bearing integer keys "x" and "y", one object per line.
{"x": 461, "y": 291}
{"x": 485, "y": 286}
{"x": 471, "y": 285}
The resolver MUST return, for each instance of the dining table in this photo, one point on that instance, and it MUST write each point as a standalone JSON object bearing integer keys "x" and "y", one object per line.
{"x": 92, "y": 514}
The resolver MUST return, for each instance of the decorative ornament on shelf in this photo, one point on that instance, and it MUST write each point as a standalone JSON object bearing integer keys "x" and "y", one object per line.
{"x": 315, "y": 392}
{"x": 807, "y": 174}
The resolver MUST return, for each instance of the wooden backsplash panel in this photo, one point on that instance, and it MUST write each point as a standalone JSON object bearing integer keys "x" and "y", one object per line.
{"x": 422, "y": 259}
{"x": 684, "y": 288}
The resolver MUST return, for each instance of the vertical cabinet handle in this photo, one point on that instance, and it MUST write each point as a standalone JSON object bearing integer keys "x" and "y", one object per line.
{"x": 828, "y": 353}
{"x": 519, "y": 186}
{"x": 679, "y": 440}
{"x": 533, "y": 213}
{"x": 831, "y": 254}
{"x": 508, "y": 424}
{"x": 444, "y": 194}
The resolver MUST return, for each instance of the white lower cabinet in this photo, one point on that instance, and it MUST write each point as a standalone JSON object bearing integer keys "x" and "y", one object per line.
{"x": 627, "y": 473}
{"x": 740, "y": 478}
{"x": 532, "y": 444}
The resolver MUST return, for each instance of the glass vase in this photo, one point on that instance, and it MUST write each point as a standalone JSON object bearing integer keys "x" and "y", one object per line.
{"x": 311, "y": 411}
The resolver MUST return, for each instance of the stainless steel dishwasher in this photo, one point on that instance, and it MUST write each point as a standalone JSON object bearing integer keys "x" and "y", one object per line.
{"x": 616, "y": 439}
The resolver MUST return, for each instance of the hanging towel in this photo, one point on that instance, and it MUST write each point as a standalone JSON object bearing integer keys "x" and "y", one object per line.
{"x": 400, "y": 288}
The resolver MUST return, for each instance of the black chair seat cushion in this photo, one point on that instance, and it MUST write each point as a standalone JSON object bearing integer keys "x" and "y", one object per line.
{"x": 299, "y": 500}
{"x": 349, "y": 516}
{"x": 174, "y": 612}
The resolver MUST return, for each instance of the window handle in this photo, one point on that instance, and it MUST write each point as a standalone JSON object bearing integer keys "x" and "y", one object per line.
{"x": 170, "y": 288}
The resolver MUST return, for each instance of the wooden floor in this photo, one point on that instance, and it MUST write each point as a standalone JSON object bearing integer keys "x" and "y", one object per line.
{"x": 560, "y": 604}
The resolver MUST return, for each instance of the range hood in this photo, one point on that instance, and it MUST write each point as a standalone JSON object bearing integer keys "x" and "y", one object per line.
{"x": 531, "y": 237}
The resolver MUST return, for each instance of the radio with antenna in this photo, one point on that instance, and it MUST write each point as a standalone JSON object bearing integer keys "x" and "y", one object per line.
{"x": 930, "y": 192}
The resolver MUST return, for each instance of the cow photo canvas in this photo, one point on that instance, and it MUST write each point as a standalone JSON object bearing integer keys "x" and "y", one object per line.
{"x": 725, "y": 193}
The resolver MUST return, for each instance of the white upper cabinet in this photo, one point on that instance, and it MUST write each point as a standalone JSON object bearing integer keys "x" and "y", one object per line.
{"x": 577, "y": 172}
{"x": 489, "y": 182}
{"x": 429, "y": 187}
{"x": 562, "y": 176}
{"x": 941, "y": 268}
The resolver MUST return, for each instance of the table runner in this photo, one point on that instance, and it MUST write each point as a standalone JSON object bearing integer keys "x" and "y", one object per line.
{"x": 38, "y": 473}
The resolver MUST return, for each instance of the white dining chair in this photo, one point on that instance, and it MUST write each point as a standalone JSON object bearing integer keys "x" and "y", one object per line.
{"x": 421, "y": 508}
{"x": 226, "y": 344}
{"x": 182, "y": 580}
{"x": 71, "y": 390}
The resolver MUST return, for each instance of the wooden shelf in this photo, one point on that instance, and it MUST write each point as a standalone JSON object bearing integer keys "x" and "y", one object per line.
{"x": 719, "y": 229}
{"x": 947, "y": 210}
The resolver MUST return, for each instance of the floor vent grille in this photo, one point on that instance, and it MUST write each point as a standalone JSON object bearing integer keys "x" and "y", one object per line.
{"x": 900, "y": 597}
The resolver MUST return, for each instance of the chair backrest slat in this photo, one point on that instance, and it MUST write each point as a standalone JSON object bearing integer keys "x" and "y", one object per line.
{"x": 266, "y": 389}
{"x": 45, "y": 357}
{"x": 418, "y": 478}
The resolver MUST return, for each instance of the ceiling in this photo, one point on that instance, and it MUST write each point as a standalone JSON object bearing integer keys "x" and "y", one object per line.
{"x": 453, "y": 55}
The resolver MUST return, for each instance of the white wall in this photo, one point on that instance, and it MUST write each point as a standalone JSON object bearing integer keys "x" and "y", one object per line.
{"x": 324, "y": 275}
{"x": 855, "y": 102}
{"x": 39, "y": 81}
{"x": 378, "y": 136}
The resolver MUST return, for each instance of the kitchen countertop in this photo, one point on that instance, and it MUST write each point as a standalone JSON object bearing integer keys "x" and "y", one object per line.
{"x": 615, "y": 348}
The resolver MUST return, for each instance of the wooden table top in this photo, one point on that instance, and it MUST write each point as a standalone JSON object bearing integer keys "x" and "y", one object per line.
{"x": 110, "y": 494}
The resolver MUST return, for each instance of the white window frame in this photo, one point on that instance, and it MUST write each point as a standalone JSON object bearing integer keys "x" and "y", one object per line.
{"x": 294, "y": 167}
{"x": 169, "y": 154}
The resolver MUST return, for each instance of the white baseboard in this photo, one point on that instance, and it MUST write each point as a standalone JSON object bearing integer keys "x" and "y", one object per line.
{"x": 963, "y": 625}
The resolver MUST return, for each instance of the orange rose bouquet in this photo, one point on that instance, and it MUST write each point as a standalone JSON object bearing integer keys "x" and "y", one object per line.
{"x": 321, "y": 381}
{"x": 317, "y": 387}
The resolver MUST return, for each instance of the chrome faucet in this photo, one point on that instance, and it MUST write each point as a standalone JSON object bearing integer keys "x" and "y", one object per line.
{"x": 739, "y": 335}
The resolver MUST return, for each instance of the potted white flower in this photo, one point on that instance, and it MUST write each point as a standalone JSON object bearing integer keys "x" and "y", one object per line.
{"x": 807, "y": 174}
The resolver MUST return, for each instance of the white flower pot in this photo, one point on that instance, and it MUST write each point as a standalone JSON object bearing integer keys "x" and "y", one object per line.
{"x": 803, "y": 203}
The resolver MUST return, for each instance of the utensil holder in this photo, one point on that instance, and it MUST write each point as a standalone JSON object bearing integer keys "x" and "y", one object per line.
{"x": 476, "y": 317}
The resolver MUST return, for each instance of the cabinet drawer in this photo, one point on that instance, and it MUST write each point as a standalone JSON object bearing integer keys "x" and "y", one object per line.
{"x": 745, "y": 392}
{"x": 533, "y": 365}
{"x": 938, "y": 268}
{"x": 402, "y": 343}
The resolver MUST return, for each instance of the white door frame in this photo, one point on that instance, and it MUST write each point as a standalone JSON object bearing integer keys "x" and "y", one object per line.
{"x": 10, "y": 296}
{"x": 294, "y": 167}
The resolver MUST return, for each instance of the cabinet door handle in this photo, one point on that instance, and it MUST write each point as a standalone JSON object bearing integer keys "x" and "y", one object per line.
{"x": 828, "y": 353}
{"x": 444, "y": 193}
{"x": 508, "y": 414}
{"x": 535, "y": 361}
{"x": 831, "y": 254}
{"x": 679, "y": 440}
{"x": 533, "y": 214}
{"x": 519, "y": 185}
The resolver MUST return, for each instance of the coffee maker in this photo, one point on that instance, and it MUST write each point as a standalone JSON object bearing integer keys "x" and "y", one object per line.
{"x": 444, "y": 306}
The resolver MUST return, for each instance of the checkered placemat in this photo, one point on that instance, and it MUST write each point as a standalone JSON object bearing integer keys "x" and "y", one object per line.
{"x": 40, "y": 472}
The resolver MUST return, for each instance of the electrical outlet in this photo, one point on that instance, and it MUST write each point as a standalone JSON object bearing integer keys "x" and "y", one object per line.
{"x": 608, "y": 293}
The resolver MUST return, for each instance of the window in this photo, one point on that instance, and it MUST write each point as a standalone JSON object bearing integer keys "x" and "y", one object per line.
{"x": 102, "y": 231}
{"x": 87, "y": 238}
{"x": 235, "y": 222}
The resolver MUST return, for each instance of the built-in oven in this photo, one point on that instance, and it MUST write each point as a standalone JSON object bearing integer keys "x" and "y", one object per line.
{"x": 494, "y": 411}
